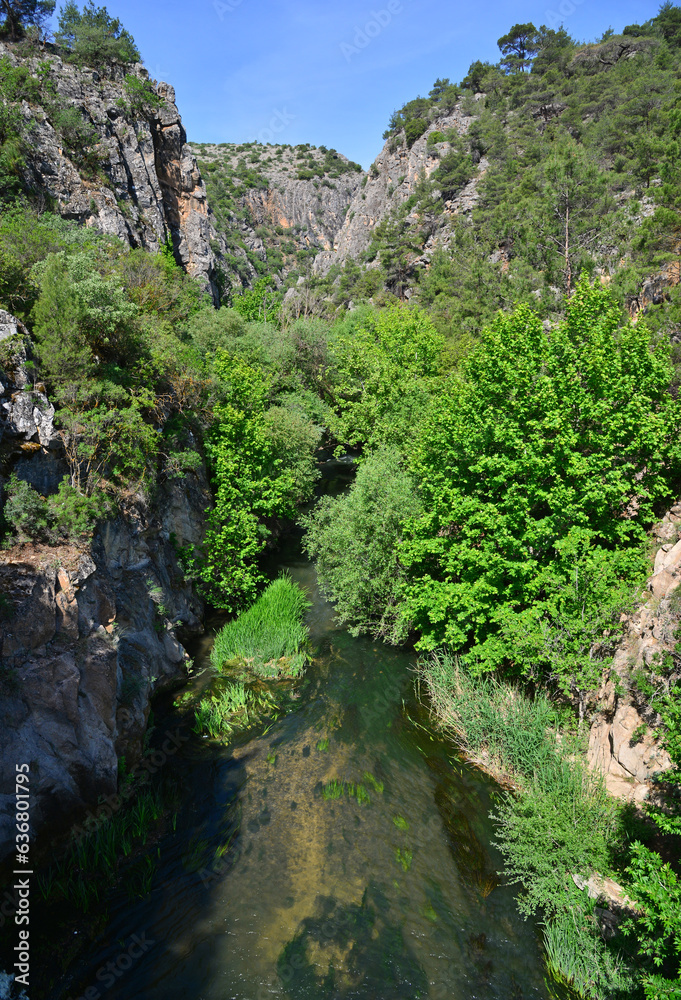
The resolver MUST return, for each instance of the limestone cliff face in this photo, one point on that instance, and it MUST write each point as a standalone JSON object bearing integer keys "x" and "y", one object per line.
{"x": 146, "y": 184}
{"x": 624, "y": 741}
{"x": 87, "y": 634}
{"x": 391, "y": 180}
{"x": 280, "y": 203}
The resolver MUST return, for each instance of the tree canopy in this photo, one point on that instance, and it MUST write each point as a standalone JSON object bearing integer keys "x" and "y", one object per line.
{"x": 94, "y": 37}
{"x": 17, "y": 15}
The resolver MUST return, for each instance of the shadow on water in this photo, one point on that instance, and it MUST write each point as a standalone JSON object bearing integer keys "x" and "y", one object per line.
{"x": 284, "y": 879}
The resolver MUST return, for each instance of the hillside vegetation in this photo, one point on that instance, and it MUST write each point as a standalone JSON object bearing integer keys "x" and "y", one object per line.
{"x": 513, "y": 395}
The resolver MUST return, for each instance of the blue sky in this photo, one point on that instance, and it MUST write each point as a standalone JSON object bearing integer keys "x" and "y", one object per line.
{"x": 330, "y": 72}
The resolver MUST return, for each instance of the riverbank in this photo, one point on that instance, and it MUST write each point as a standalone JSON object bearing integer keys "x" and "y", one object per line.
{"x": 569, "y": 847}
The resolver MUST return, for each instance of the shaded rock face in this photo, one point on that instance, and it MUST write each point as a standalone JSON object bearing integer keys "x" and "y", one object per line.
{"x": 623, "y": 742}
{"x": 86, "y": 639}
{"x": 391, "y": 181}
{"x": 153, "y": 186}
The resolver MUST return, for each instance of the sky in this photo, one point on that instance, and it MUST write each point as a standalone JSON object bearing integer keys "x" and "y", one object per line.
{"x": 328, "y": 72}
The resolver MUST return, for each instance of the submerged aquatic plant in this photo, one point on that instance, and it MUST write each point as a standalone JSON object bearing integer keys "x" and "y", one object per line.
{"x": 215, "y": 715}
{"x": 270, "y": 638}
{"x": 404, "y": 858}
{"x": 336, "y": 789}
{"x": 232, "y": 708}
{"x": 92, "y": 864}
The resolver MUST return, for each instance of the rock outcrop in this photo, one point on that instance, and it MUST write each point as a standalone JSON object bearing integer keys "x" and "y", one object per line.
{"x": 87, "y": 635}
{"x": 392, "y": 179}
{"x": 280, "y": 203}
{"x": 624, "y": 741}
{"x": 140, "y": 181}
{"x": 86, "y": 639}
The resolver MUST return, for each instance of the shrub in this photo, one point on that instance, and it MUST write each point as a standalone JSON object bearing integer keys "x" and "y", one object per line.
{"x": 73, "y": 514}
{"x": 25, "y": 511}
{"x": 141, "y": 95}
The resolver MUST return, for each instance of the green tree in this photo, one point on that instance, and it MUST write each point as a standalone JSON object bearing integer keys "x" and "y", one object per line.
{"x": 255, "y": 480}
{"x": 540, "y": 436}
{"x": 519, "y": 46}
{"x": 93, "y": 37}
{"x": 17, "y": 15}
{"x": 386, "y": 368}
{"x": 656, "y": 927}
{"x": 354, "y": 540}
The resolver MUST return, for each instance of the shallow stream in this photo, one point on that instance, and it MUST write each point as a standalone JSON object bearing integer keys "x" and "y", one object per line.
{"x": 271, "y": 887}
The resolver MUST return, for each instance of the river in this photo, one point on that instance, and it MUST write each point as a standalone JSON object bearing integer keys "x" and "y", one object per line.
{"x": 269, "y": 886}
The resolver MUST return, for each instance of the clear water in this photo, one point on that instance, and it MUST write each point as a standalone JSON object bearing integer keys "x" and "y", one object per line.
{"x": 268, "y": 889}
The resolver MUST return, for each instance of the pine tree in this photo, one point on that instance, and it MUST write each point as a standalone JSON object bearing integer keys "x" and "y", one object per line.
{"x": 17, "y": 15}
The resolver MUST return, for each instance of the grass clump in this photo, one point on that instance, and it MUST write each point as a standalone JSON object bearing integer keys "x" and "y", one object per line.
{"x": 270, "y": 638}
{"x": 233, "y": 707}
{"x": 557, "y": 823}
{"x": 94, "y": 862}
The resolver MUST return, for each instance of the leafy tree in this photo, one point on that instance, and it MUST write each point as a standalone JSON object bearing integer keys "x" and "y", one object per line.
{"x": 543, "y": 443}
{"x": 254, "y": 480}
{"x": 94, "y": 37}
{"x": 519, "y": 46}
{"x": 656, "y": 927}
{"x": 385, "y": 367}
{"x": 354, "y": 540}
{"x": 17, "y": 15}
{"x": 261, "y": 302}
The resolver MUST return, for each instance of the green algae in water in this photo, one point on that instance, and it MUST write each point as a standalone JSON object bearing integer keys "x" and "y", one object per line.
{"x": 323, "y": 745}
{"x": 271, "y": 757}
{"x": 400, "y": 822}
{"x": 404, "y": 858}
{"x": 376, "y": 785}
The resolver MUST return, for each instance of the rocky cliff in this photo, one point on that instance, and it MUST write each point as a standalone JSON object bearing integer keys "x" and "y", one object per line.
{"x": 276, "y": 204}
{"x": 624, "y": 738}
{"x": 98, "y": 154}
{"x": 392, "y": 180}
{"x": 88, "y": 634}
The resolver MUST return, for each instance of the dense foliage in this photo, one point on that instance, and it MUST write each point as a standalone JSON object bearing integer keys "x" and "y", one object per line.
{"x": 517, "y": 434}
